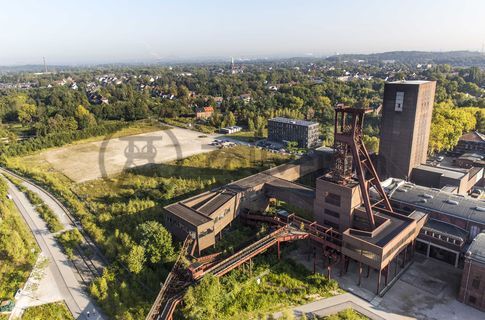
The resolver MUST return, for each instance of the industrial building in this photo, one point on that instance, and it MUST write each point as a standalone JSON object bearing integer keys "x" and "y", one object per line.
{"x": 285, "y": 130}
{"x": 472, "y": 285}
{"x": 454, "y": 220}
{"x": 405, "y": 126}
{"x": 346, "y": 222}
{"x": 455, "y": 180}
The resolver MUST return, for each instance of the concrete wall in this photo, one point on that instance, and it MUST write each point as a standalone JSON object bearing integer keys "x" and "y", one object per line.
{"x": 292, "y": 197}
{"x": 302, "y": 167}
{"x": 224, "y": 215}
{"x": 350, "y": 198}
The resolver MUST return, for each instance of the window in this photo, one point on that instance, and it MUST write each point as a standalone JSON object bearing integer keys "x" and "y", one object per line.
{"x": 332, "y": 213}
{"x": 476, "y": 283}
{"x": 333, "y": 199}
{"x": 399, "y": 101}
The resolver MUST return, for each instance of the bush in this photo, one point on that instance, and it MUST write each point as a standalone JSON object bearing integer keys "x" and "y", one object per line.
{"x": 70, "y": 240}
{"x": 51, "y": 311}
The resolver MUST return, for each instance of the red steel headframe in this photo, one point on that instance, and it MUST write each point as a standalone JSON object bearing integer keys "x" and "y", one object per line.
{"x": 350, "y": 150}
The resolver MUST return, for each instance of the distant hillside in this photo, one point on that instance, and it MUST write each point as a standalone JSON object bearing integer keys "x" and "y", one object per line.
{"x": 456, "y": 58}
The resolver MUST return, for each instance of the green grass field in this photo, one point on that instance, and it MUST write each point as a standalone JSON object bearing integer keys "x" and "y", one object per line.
{"x": 347, "y": 314}
{"x": 50, "y": 311}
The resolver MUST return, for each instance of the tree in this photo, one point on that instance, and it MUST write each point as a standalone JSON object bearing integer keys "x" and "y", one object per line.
{"x": 448, "y": 125}
{"x": 156, "y": 240}
{"x": 84, "y": 118}
{"x": 250, "y": 124}
{"x": 135, "y": 258}
{"x": 371, "y": 143}
{"x": 204, "y": 301}
{"x": 292, "y": 146}
{"x": 26, "y": 113}
{"x": 230, "y": 119}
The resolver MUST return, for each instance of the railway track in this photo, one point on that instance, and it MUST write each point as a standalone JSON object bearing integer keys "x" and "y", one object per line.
{"x": 87, "y": 267}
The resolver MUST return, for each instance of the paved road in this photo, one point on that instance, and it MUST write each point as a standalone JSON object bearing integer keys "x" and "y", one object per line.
{"x": 72, "y": 290}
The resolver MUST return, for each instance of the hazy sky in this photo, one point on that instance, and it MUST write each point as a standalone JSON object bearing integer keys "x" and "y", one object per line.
{"x": 99, "y": 31}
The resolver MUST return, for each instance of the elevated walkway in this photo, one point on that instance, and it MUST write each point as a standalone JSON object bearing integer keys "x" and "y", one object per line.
{"x": 290, "y": 228}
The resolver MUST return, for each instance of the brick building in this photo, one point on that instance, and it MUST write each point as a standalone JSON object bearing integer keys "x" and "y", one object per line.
{"x": 405, "y": 127}
{"x": 456, "y": 180}
{"x": 472, "y": 287}
{"x": 453, "y": 222}
{"x": 471, "y": 142}
{"x": 204, "y": 113}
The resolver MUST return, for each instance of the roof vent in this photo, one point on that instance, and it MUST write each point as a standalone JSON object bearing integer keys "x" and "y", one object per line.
{"x": 423, "y": 200}
{"x": 481, "y": 209}
{"x": 453, "y": 202}
{"x": 427, "y": 196}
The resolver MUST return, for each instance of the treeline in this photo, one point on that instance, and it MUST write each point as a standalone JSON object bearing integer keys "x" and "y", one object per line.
{"x": 18, "y": 249}
{"x": 58, "y": 139}
{"x": 449, "y": 123}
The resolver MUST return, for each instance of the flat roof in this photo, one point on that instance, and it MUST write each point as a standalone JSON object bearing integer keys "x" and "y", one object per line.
{"x": 409, "y": 82}
{"x": 390, "y": 232}
{"x": 301, "y": 190}
{"x": 387, "y": 232}
{"x": 294, "y": 121}
{"x": 215, "y": 202}
{"x": 199, "y": 212}
{"x": 188, "y": 214}
{"x": 445, "y": 172}
{"x": 476, "y": 251}
{"x": 250, "y": 182}
{"x": 432, "y": 199}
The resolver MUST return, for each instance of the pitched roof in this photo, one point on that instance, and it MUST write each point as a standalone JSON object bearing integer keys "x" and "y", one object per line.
{"x": 474, "y": 136}
{"x": 476, "y": 251}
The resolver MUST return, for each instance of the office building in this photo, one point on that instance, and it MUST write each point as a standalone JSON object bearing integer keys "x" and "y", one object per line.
{"x": 285, "y": 130}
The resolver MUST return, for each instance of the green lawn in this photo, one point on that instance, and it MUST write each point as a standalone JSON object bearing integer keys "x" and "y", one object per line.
{"x": 347, "y": 314}
{"x": 51, "y": 311}
{"x": 247, "y": 136}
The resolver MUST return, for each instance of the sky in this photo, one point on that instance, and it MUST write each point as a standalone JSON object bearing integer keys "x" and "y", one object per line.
{"x": 109, "y": 31}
